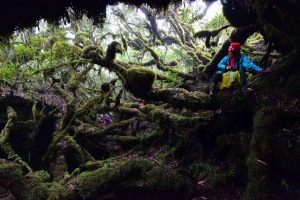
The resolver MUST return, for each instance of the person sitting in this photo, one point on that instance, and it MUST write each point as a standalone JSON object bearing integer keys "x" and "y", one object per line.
{"x": 235, "y": 61}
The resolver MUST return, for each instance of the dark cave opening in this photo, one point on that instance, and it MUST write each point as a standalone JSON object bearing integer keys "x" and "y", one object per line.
{"x": 32, "y": 145}
{"x": 72, "y": 160}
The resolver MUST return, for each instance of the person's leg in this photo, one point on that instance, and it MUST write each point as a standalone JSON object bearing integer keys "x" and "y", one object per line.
{"x": 137, "y": 126}
{"x": 216, "y": 79}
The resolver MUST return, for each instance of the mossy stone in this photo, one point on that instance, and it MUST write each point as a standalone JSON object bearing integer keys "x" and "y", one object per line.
{"x": 140, "y": 78}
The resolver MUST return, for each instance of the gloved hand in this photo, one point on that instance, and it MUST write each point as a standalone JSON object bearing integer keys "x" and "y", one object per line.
{"x": 267, "y": 70}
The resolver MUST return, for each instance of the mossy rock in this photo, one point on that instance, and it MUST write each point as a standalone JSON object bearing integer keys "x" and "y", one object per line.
{"x": 140, "y": 78}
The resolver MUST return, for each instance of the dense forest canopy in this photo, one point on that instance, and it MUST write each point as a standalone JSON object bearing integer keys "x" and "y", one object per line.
{"x": 66, "y": 65}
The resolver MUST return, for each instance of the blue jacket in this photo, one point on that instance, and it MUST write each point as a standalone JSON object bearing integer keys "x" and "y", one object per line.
{"x": 240, "y": 63}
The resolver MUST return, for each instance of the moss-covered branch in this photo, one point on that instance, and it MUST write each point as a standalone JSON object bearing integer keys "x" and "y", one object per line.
{"x": 209, "y": 34}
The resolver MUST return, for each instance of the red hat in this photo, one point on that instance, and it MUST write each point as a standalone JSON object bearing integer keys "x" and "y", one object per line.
{"x": 234, "y": 47}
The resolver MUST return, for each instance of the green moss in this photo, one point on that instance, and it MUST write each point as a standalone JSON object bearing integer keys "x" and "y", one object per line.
{"x": 35, "y": 190}
{"x": 42, "y": 176}
{"x": 200, "y": 67}
{"x": 167, "y": 93}
{"x": 256, "y": 59}
{"x": 173, "y": 151}
{"x": 147, "y": 108}
{"x": 76, "y": 172}
{"x": 188, "y": 99}
{"x": 89, "y": 164}
{"x": 44, "y": 55}
{"x": 282, "y": 78}
{"x": 140, "y": 78}
{"x": 126, "y": 142}
{"x": 198, "y": 170}
{"x": 220, "y": 176}
{"x": 74, "y": 82}
{"x": 194, "y": 56}
{"x": 89, "y": 184}
{"x": 135, "y": 168}
{"x": 92, "y": 52}
{"x": 16, "y": 174}
{"x": 58, "y": 169}
{"x": 83, "y": 38}
{"x": 259, "y": 174}
{"x": 131, "y": 105}
{"x": 186, "y": 112}
{"x": 196, "y": 99}
{"x": 171, "y": 120}
{"x": 153, "y": 53}
{"x": 56, "y": 192}
{"x": 148, "y": 139}
{"x": 157, "y": 42}
{"x": 141, "y": 153}
{"x": 161, "y": 158}
{"x": 241, "y": 139}
{"x": 11, "y": 113}
{"x": 76, "y": 49}
{"x": 169, "y": 180}
{"x": 176, "y": 151}
{"x": 217, "y": 175}
{"x": 59, "y": 46}
{"x": 158, "y": 114}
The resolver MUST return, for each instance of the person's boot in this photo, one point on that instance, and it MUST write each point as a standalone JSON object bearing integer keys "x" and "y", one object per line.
{"x": 212, "y": 87}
